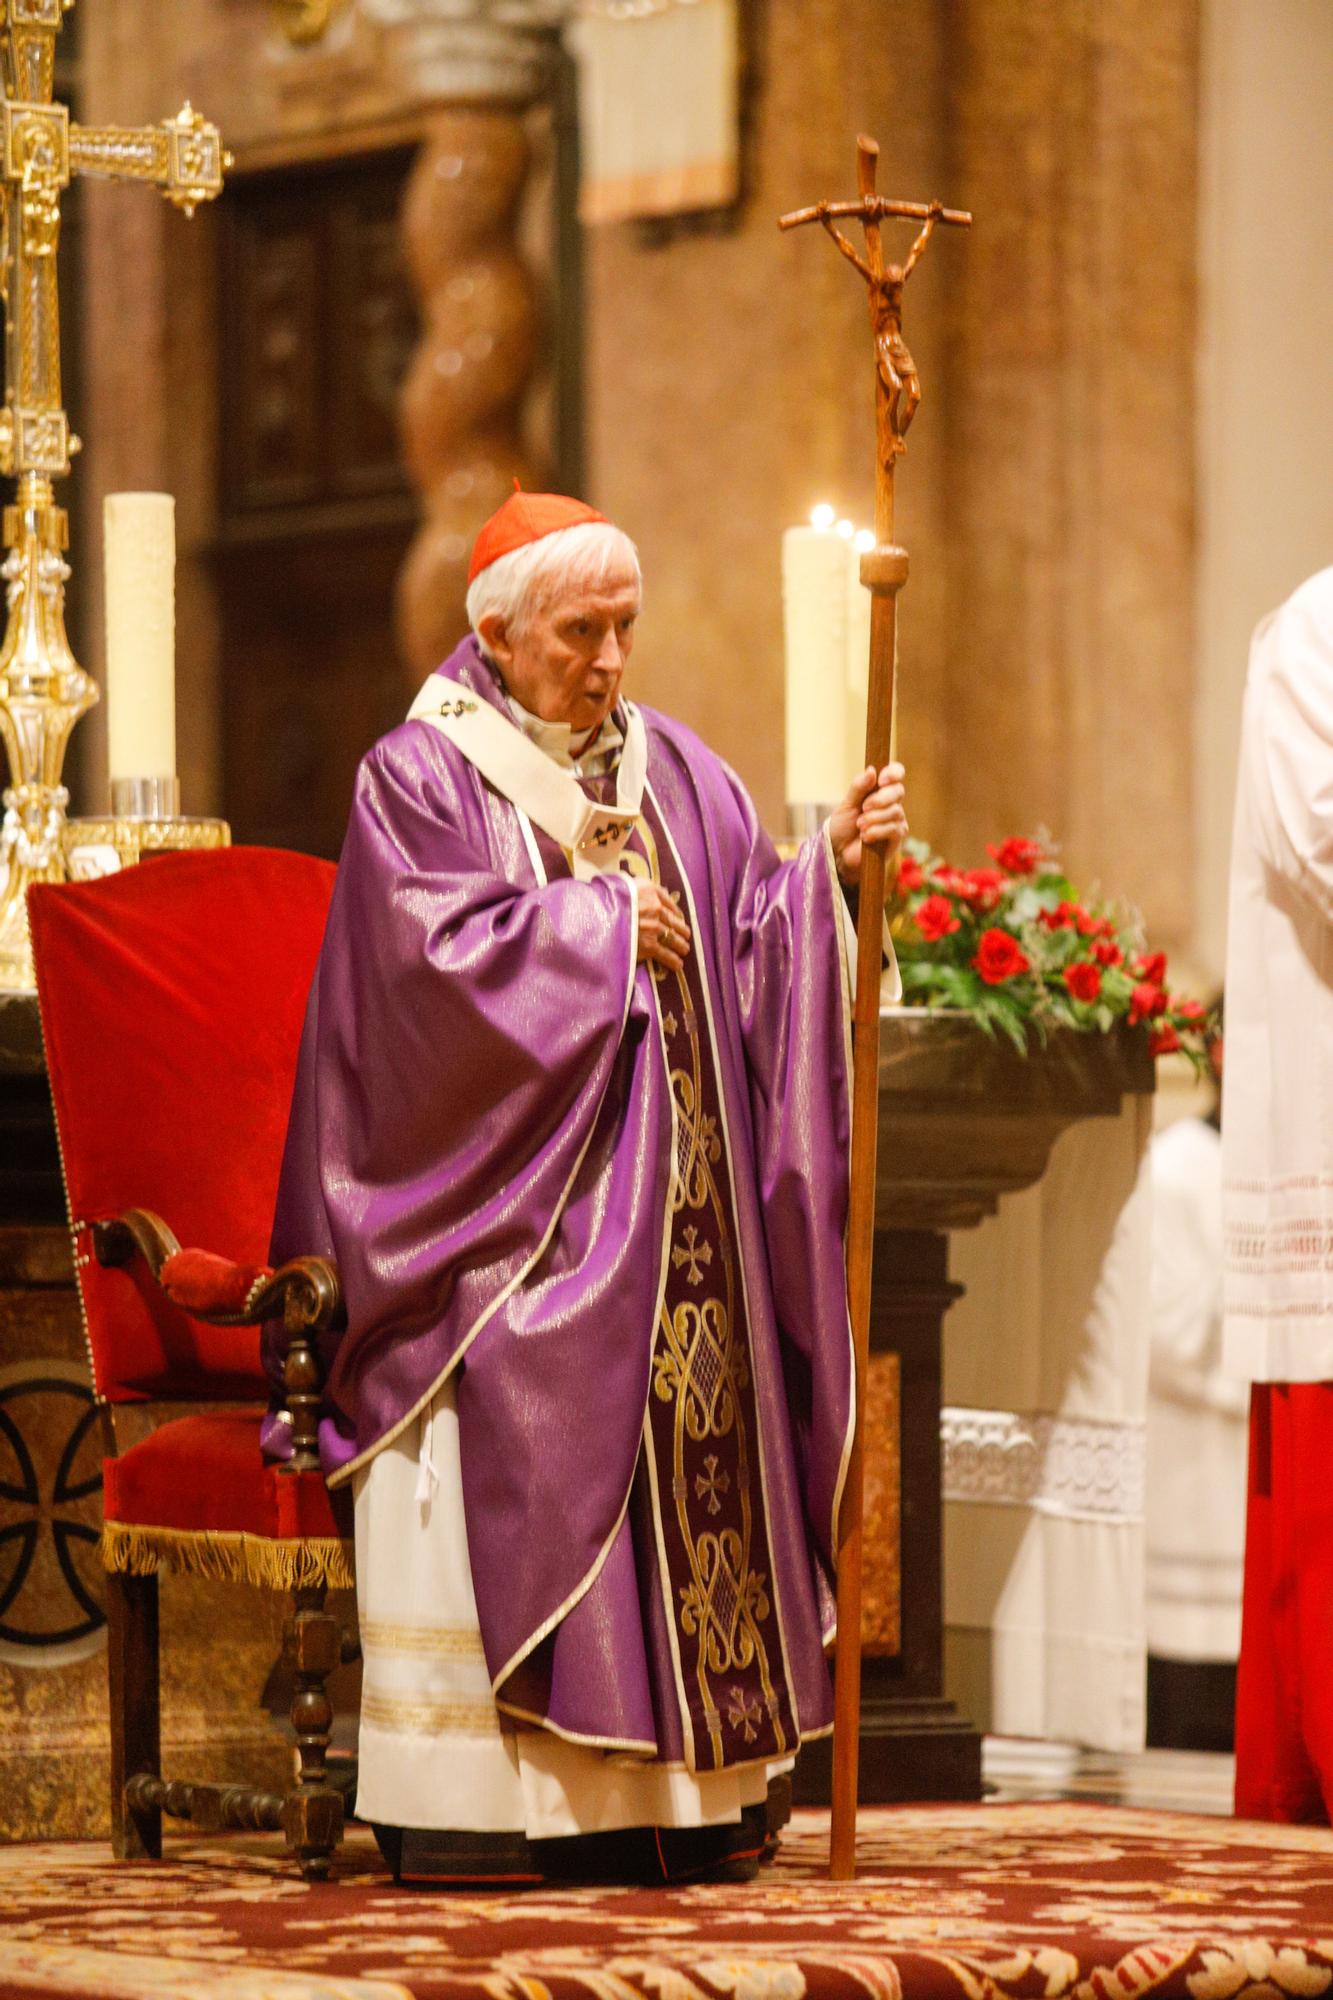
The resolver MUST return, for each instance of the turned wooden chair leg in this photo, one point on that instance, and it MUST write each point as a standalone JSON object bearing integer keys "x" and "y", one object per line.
{"x": 313, "y": 1814}
{"x": 136, "y": 1735}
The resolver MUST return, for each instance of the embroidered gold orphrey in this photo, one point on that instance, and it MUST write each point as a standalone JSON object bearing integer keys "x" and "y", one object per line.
{"x": 702, "y": 1418}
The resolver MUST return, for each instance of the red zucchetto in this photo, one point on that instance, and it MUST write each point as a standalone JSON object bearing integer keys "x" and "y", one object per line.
{"x": 526, "y": 517}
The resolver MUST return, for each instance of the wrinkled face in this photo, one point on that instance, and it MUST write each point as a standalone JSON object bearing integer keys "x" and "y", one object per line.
{"x": 567, "y": 663}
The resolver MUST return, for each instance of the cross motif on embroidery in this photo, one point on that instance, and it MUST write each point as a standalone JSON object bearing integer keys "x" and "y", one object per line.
{"x": 456, "y": 708}
{"x": 669, "y": 1025}
{"x": 604, "y": 835}
{"x": 710, "y": 1482}
{"x": 694, "y": 1254}
{"x": 743, "y": 1711}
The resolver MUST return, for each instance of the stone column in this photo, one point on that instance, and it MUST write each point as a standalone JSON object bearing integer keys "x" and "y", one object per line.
{"x": 468, "y": 389}
{"x": 464, "y": 397}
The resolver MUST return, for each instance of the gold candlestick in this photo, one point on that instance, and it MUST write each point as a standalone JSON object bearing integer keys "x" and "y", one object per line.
{"x": 43, "y": 690}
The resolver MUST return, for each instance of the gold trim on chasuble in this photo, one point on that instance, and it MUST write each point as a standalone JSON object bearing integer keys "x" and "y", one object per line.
{"x": 702, "y": 1430}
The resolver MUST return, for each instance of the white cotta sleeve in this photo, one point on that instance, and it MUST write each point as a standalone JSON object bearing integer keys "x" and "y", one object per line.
{"x": 891, "y": 988}
{"x": 1296, "y": 720}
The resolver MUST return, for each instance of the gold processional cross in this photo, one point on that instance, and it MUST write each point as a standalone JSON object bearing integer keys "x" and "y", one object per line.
{"x": 884, "y": 572}
{"x": 43, "y": 690}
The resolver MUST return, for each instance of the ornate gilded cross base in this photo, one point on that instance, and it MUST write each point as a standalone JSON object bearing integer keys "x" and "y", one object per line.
{"x": 94, "y": 847}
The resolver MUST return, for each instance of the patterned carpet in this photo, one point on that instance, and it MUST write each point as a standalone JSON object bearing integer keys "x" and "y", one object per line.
{"x": 998, "y": 1902}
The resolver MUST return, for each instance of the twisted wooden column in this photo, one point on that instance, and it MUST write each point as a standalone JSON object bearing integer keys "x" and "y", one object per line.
{"x": 462, "y": 402}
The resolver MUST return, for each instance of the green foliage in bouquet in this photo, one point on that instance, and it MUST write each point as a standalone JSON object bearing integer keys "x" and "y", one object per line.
{"x": 1015, "y": 947}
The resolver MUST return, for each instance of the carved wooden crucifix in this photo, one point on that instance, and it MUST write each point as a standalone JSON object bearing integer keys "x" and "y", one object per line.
{"x": 884, "y": 572}
{"x": 898, "y": 389}
{"x": 43, "y": 690}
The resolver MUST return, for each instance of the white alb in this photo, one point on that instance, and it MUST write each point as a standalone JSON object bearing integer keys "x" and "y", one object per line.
{"x": 1277, "y": 1107}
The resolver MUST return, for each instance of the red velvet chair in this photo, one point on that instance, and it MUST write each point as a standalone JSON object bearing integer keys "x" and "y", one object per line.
{"x": 172, "y": 997}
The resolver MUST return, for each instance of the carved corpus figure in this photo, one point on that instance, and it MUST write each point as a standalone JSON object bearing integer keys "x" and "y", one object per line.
{"x": 900, "y": 382}
{"x": 896, "y": 366}
{"x": 572, "y": 1115}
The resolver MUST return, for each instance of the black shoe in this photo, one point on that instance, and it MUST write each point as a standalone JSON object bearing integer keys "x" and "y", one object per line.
{"x": 776, "y": 1813}
{"x": 651, "y": 1856}
{"x": 631, "y": 1857}
{"x": 426, "y": 1858}
{"x": 713, "y": 1853}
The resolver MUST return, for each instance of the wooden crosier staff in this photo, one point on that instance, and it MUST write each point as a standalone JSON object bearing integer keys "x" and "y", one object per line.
{"x": 884, "y": 572}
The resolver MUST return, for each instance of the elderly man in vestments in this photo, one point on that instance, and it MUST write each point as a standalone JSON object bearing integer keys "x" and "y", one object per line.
{"x": 1277, "y": 1139}
{"x": 572, "y": 1115}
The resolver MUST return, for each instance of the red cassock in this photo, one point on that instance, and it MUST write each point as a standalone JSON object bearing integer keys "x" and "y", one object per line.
{"x": 1284, "y": 1703}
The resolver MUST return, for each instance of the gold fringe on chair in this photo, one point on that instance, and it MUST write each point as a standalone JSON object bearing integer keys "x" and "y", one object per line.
{"x": 228, "y": 1556}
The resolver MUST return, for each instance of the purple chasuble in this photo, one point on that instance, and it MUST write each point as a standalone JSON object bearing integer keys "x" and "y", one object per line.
{"x": 610, "y": 1200}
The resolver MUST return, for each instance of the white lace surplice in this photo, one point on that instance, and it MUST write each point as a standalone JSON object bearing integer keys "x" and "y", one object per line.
{"x": 1277, "y": 1094}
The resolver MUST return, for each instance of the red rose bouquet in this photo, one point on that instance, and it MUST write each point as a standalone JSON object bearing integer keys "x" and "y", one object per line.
{"x": 1015, "y": 947}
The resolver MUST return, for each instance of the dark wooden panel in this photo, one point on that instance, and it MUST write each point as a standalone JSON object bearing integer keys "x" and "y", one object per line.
{"x": 312, "y": 680}
{"x": 372, "y": 332}
{"x": 273, "y": 432}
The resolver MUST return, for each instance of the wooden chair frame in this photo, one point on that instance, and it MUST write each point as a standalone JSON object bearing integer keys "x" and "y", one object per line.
{"x": 307, "y": 1296}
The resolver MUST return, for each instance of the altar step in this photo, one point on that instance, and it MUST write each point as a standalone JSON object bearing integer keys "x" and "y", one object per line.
{"x": 1190, "y": 1781}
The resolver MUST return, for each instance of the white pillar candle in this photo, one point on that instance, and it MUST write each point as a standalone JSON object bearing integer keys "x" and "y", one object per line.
{"x": 815, "y": 600}
{"x": 858, "y": 653}
{"x": 140, "y": 556}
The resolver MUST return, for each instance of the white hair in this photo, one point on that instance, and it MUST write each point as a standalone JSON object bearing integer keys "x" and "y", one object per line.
{"x": 577, "y": 558}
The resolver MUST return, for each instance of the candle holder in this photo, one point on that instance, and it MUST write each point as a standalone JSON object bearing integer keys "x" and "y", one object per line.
{"x": 803, "y": 820}
{"x": 145, "y": 798}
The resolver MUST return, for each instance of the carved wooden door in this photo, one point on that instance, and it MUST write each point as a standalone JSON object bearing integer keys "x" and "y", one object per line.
{"x": 316, "y": 513}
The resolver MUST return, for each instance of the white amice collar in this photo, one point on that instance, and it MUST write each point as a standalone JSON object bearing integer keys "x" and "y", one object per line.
{"x": 509, "y": 758}
{"x": 555, "y": 737}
